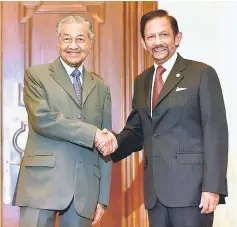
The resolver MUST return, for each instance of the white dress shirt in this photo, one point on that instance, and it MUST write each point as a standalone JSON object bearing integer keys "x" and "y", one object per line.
{"x": 69, "y": 69}
{"x": 168, "y": 65}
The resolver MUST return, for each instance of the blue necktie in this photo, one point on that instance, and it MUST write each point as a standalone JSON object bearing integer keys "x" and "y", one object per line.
{"x": 77, "y": 84}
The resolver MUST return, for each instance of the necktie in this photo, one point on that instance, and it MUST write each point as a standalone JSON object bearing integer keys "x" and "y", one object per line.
{"x": 158, "y": 84}
{"x": 77, "y": 84}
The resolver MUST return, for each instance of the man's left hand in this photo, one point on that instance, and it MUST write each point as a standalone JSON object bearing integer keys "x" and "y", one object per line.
{"x": 99, "y": 212}
{"x": 209, "y": 202}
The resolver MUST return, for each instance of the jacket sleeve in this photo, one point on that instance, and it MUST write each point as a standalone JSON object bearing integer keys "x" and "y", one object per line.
{"x": 53, "y": 125}
{"x": 215, "y": 133}
{"x": 130, "y": 139}
{"x": 105, "y": 166}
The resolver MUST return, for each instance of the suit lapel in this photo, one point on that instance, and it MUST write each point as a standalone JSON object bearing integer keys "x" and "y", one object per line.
{"x": 60, "y": 75}
{"x": 173, "y": 79}
{"x": 147, "y": 87}
{"x": 88, "y": 85}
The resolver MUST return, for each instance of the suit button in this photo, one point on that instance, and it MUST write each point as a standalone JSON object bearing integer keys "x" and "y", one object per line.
{"x": 155, "y": 135}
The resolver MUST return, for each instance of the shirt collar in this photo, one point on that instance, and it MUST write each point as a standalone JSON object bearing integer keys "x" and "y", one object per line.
{"x": 168, "y": 65}
{"x": 69, "y": 69}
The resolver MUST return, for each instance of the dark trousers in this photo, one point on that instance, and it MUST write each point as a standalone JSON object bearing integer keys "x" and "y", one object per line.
{"x": 162, "y": 216}
{"x": 31, "y": 217}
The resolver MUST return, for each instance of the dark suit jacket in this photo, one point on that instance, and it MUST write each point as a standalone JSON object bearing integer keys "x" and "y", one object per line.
{"x": 60, "y": 162}
{"x": 186, "y": 140}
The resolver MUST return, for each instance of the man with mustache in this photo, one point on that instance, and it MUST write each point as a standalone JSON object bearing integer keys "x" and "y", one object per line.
{"x": 178, "y": 116}
{"x": 67, "y": 106}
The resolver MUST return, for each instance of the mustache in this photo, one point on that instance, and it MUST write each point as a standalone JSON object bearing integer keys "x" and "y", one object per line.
{"x": 159, "y": 47}
{"x": 73, "y": 50}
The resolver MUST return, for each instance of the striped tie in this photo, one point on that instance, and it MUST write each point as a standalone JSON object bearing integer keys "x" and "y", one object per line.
{"x": 158, "y": 84}
{"x": 77, "y": 84}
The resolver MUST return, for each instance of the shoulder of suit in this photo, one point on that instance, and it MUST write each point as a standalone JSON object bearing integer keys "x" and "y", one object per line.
{"x": 38, "y": 71}
{"x": 144, "y": 73}
{"x": 98, "y": 79}
{"x": 197, "y": 65}
{"x": 38, "y": 68}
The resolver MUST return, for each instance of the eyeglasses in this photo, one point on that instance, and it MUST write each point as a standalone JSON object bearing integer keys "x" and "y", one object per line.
{"x": 68, "y": 40}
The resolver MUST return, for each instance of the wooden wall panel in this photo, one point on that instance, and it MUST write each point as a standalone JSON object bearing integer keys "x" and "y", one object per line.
{"x": 136, "y": 60}
{"x": 112, "y": 71}
{"x": 41, "y": 39}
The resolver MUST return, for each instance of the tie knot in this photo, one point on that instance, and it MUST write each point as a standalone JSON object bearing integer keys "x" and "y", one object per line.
{"x": 160, "y": 70}
{"x": 76, "y": 73}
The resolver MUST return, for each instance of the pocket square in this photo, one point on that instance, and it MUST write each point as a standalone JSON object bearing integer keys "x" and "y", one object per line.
{"x": 180, "y": 88}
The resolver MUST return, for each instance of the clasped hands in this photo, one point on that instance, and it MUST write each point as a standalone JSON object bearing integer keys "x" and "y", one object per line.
{"x": 105, "y": 141}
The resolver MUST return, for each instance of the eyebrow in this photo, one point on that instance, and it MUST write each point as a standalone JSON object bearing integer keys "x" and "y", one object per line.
{"x": 70, "y": 35}
{"x": 153, "y": 33}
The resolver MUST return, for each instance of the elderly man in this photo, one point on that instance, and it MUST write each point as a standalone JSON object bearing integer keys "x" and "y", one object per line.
{"x": 67, "y": 106}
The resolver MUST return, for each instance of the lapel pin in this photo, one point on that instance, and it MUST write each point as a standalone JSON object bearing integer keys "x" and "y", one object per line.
{"x": 178, "y": 75}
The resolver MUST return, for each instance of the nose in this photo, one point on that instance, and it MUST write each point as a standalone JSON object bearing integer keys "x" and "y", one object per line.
{"x": 157, "y": 40}
{"x": 73, "y": 44}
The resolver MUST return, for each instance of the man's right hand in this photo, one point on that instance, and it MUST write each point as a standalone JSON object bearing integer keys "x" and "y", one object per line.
{"x": 105, "y": 142}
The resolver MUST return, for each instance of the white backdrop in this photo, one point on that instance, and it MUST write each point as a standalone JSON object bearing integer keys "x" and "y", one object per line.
{"x": 210, "y": 35}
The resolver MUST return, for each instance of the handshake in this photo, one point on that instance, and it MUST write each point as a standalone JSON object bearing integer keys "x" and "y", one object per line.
{"x": 105, "y": 141}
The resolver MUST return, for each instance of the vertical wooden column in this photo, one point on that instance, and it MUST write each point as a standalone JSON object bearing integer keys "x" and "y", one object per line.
{"x": 135, "y": 61}
{"x": 130, "y": 48}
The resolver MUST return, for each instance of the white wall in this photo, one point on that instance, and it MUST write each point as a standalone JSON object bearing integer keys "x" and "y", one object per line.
{"x": 210, "y": 35}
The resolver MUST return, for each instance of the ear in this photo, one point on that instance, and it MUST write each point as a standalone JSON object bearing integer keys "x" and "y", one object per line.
{"x": 178, "y": 38}
{"x": 143, "y": 43}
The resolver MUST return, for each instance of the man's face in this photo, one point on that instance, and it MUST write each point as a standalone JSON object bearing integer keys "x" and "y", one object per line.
{"x": 74, "y": 43}
{"x": 160, "y": 40}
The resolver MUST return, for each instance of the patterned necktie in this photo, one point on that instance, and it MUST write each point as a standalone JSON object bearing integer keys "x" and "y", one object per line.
{"x": 77, "y": 84}
{"x": 158, "y": 84}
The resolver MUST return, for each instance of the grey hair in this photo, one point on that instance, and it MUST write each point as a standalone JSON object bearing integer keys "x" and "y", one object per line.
{"x": 74, "y": 19}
